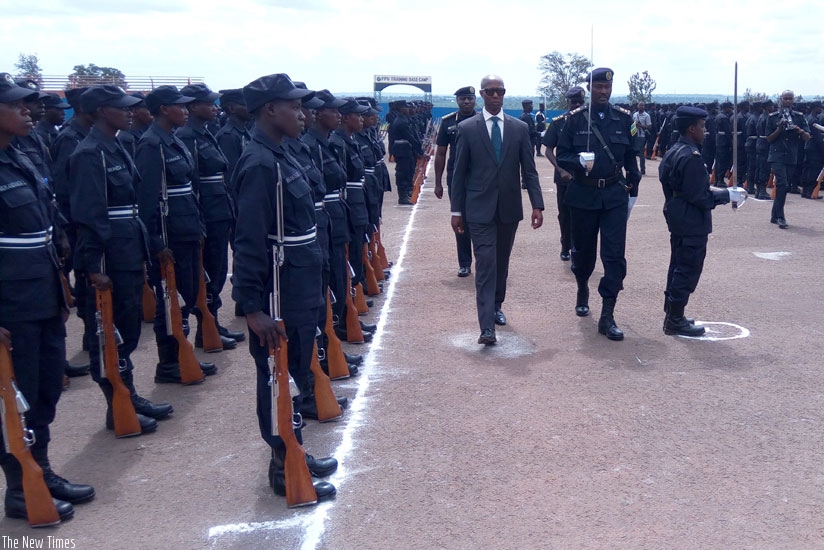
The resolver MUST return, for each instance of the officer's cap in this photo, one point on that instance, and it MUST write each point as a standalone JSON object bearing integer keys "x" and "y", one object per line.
{"x": 10, "y": 92}
{"x": 370, "y": 111}
{"x": 466, "y": 90}
{"x": 234, "y": 95}
{"x": 576, "y": 92}
{"x": 352, "y": 107}
{"x": 139, "y": 96}
{"x": 601, "y": 74}
{"x": 273, "y": 87}
{"x": 310, "y": 102}
{"x": 73, "y": 96}
{"x": 686, "y": 112}
{"x": 105, "y": 96}
{"x": 54, "y": 100}
{"x": 329, "y": 101}
{"x": 165, "y": 95}
{"x": 200, "y": 92}
{"x": 31, "y": 85}
{"x": 726, "y": 105}
{"x": 371, "y": 101}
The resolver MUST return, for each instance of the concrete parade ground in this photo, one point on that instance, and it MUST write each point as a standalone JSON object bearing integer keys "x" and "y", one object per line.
{"x": 556, "y": 438}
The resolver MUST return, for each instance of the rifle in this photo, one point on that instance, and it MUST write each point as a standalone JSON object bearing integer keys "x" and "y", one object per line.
{"x": 381, "y": 250}
{"x": 67, "y": 290}
{"x": 374, "y": 258}
{"x": 325, "y": 400}
{"x": 40, "y": 508}
{"x": 211, "y": 337}
{"x": 190, "y": 372}
{"x": 817, "y": 187}
{"x": 354, "y": 334}
{"x": 372, "y": 287}
{"x": 423, "y": 162}
{"x": 657, "y": 139}
{"x": 359, "y": 299}
{"x": 712, "y": 174}
{"x": 149, "y": 303}
{"x": 335, "y": 359}
{"x": 771, "y": 184}
{"x": 300, "y": 490}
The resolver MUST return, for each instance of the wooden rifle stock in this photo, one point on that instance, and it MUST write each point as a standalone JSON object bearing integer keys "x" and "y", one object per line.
{"x": 190, "y": 372}
{"x": 67, "y": 290}
{"x": 354, "y": 334}
{"x": 211, "y": 337}
{"x": 360, "y": 300}
{"x": 325, "y": 400}
{"x": 817, "y": 188}
{"x": 374, "y": 259}
{"x": 381, "y": 250}
{"x": 771, "y": 184}
{"x": 40, "y": 508}
{"x": 655, "y": 148}
{"x": 149, "y": 303}
{"x": 335, "y": 359}
{"x": 731, "y": 176}
{"x": 372, "y": 288}
{"x": 300, "y": 491}
{"x": 125, "y": 419}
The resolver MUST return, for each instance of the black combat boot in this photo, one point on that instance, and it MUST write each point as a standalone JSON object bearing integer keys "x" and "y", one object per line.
{"x": 676, "y": 323}
{"x": 141, "y": 404}
{"x": 582, "y": 299}
{"x": 606, "y": 324}
{"x": 690, "y": 320}
{"x": 15, "y": 501}
{"x": 60, "y": 488}
{"x": 277, "y": 478}
{"x": 147, "y": 425}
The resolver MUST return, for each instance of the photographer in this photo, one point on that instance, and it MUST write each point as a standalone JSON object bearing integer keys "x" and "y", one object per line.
{"x": 784, "y": 128}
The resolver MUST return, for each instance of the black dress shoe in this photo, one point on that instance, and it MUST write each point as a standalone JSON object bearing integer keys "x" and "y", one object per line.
{"x": 169, "y": 373}
{"x": 341, "y": 334}
{"x": 74, "y": 371}
{"x": 681, "y": 327}
{"x": 565, "y": 256}
{"x": 582, "y": 301}
{"x": 61, "y": 489}
{"x": 152, "y": 410}
{"x": 208, "y": 369}
{"x": 15, "y": 505}
{"x": 500, "y": 318}
{"x": 235, "y": 335}
{"x": 368, "y": 328}
{"x": 353, "y": 359}
{"x": 782, "y": 223}
{"x": 185, "y": 323}
{"x": 464, "y": 272}
{"x": 353, "y": 370}
{"x": 147, "y": 425}
{"x": 228, "y": 343}
{"x": 487, "y": 337}
{"x": 404, "y": 201}
{"x": 607, "y": 327}
{"x": 277, "y": 481}
{"x": 370, "y": 302}
{"x": 321, "y": 467}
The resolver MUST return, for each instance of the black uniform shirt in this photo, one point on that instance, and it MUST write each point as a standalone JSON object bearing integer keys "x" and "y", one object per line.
{"x": 35, "y": 148}
{"x": 30, "y": 287}
{"x": 104, "y": 202}
{"x": 48, "y": 132}
{"x": 334, "y": 178}
{"x": 686, "y": 185}
{"x": 550, "y": 140}
{"x": 785, "y": 148}
{"x": 349, "y": 150}
{"x": 210, "y": 175}
{"x": 129, "y": 139}
{"x": 447, "y": 136}
{"x": 67, "y": 140}
{"x": 232, "y": 139}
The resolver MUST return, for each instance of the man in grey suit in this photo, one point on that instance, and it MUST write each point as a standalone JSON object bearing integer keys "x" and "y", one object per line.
{"x": 492, "y": 154}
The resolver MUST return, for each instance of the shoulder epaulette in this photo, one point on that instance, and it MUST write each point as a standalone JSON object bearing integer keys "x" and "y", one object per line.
{"x": 578, "y": 110}
{"x": 450, "y": 115}
{"x": 561, "y": 117}
{"x": 774, "y": 113}
{"x": 798, "y": 113}
{"x": 622, "y": 110}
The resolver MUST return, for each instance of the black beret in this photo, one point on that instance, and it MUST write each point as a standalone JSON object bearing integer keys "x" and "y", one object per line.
{"x": 686, "y": 112}
{"x": 11, "y": 92}
{"x": 105, "y": 96}
{"x": 200, "y": 92}
{"x": 466, "y": 90}
{"x": 272, "y": 87}
{"x": 234, "y": 95}
{"x": 165, "y": 95}
{"x": 576, "y": 92}
{"x": 55, "y": 101}
{"x": 601, "y": 74}
{"x": 352, "y": 107}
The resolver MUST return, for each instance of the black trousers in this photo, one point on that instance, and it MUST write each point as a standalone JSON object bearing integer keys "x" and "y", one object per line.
{"x": 611, "y": 224}
{"x": 492, "y": 243}
{"x": 782, "y": 186}
{"x": 708, "y": 154}
{"x": 337, "y": 281}
{"x": 404, "y": 174}
{"x": 687, "y": 255}
{"x": 216, "y": 261}
{"x": 39, "y": 356}
{"x": 127, "y": 299}
{"x": 809, "y": 178}
{"x": 723, "y": 163}
{"x": 563, "y": 217}
{"x": 463, "y": 241}
{"x": 752, "y": 169}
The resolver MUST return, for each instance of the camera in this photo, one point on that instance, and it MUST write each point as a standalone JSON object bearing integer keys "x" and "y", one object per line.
{"x": 787, "y": 119}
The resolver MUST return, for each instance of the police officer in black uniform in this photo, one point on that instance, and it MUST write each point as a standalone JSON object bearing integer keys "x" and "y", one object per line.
{"x": 53, "y": 117}
{"x": 405, "y": 146}
{"x": 32, "y": 304}
{"x": 233, "y": 135}
{"x": 32, "y": 145}
{"x": 723, "y": 143}
{"x": 575, "y": 97}
{"x": 111, "y": 239}
{"x": 813, "y": 157}
{"x": 540, "y": 128}
{"x": 275, "y": 103}
{"x": 689, "y": 201}
{"x": 209, "y": 183}
{"x": 708, "y": 149}
{"x": 163, "y": 159}
{"x": 597, "y": 196}
{"x": 529, "y": 119}
{"x": 141, "y": 120}
{"x": 786, "y": 128}
{"x": 762, "y": 150}
{"x": 751, "y": 136}
{"x": 445, "y": 140}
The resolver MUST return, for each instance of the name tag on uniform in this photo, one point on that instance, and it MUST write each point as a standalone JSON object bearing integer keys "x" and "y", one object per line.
{"x": 174, "y": 158}
{"x": 12, "y": 185}
{"x": 115, "y": 168}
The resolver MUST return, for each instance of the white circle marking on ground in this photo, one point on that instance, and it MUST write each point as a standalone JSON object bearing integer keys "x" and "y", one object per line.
{"x": 717, "y": 331}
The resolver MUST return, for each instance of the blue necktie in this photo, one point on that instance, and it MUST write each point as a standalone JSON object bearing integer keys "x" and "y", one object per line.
{"x": 496, "y": 138}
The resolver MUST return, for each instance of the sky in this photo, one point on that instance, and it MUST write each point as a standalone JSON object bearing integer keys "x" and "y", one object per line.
{"x": 687, "y": 47}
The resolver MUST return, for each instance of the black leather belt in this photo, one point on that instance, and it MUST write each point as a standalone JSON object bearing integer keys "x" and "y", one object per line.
{"x": 600, "y": 183}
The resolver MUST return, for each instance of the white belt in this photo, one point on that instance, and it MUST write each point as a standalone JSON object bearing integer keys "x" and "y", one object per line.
{"x": 380, "y": 161}
{"x": 332, "y": 197}
{"x": 369, "y": 170}
{"x": 217, "y": 178}
{"x": 122, "y": 212}
{"x": 354, "y": 185}
{"x": 26, "y": 241}
{"x": 298, "y": 240}
{"x": 178, "y": 191}
{"x": 319, "y": 205}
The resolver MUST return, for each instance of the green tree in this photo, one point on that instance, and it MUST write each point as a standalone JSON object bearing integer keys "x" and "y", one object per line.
{"x": 91, "y": 74}
{"x": 641, "y": 86}
{"x": 559, "y": 73}
{"x": 751, "y": 96}
{"x": 28, "y": 66}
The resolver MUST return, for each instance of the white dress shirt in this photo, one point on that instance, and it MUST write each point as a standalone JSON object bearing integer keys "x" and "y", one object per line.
{"x": 488, "y": 119}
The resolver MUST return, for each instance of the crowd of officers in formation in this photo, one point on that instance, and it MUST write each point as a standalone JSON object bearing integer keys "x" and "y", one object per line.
{"x": 135, "y": 180}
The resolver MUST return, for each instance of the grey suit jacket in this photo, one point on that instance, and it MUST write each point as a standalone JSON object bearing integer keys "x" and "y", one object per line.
{"x": 485, "y": 190}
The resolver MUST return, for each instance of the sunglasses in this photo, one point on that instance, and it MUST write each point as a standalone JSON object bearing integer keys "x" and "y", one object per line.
{"x": 494, "y": 91}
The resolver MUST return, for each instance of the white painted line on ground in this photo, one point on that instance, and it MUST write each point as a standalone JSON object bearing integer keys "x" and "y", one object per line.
{"x": 314, "y": 523}
{"x": 774, "y": 256}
